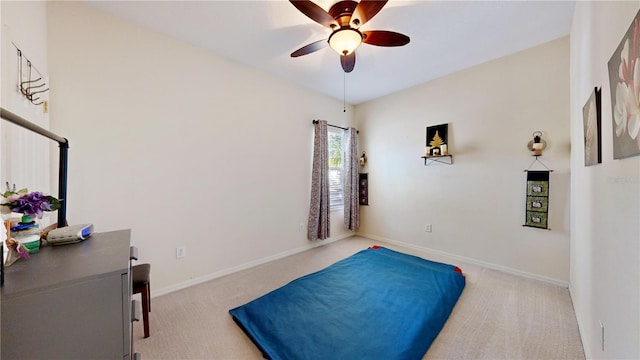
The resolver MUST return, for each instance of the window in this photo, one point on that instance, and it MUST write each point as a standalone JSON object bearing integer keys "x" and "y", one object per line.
{"x": 336, "y": 195}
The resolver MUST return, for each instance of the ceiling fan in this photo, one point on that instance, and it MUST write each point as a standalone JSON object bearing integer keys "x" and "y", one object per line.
{"x": 344, "y": 19}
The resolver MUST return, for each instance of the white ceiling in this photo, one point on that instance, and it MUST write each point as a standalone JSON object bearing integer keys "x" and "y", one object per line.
{"x": 446, "y": 36}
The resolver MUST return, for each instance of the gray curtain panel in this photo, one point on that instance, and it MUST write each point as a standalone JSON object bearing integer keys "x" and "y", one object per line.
{"x": 350, "y": 181}
{"x": 318, "y": 224}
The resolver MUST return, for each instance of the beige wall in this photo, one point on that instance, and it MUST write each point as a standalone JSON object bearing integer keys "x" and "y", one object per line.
{"x": 183, "y": 147}
{"x": 476, "y": 206}
{"x": 24, "y": 27}
{"x": 198, "y": 140}
{"x": 605, "y": 208}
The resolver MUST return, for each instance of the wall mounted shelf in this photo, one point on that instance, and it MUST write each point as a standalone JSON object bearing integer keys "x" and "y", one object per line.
{"x": 445, "y": 159}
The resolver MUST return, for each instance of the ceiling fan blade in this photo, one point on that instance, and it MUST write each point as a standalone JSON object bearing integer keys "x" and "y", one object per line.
{"x": 384, "y": 38}
{"x": 366, "y": 10}
{"x": 348, "y": 62}
{"x": 315, "y": 13}
{"x": 309, "y": 48}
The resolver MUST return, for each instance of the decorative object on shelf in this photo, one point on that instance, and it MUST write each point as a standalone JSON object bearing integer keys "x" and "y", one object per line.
{"x": 363, "y": 188}
{"x": 29, "y": 204}
{"x": 436, "y": 149}
{"x": 592, "y": 129}
{"x": 436, "y": 137}
{"x": 16, "y": 250}
{"x": 537, "y": 209}
{"x": 443, "y": 149}
{"x": 537, "y": 144}
{"x": 363, "y": 159}
{"x": 624, "y": 93}
{"x": 25, "y": 232}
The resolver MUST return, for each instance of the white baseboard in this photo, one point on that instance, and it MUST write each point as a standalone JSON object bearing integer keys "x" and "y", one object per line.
{"x": 585, "y": 342}
{"x": 469, "y": 260}
{"x": 231, "y": 270}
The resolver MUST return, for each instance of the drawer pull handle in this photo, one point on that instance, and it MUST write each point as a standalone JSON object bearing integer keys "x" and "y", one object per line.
{"x": 133, "y": 253}
{"x": 135, "y": 311}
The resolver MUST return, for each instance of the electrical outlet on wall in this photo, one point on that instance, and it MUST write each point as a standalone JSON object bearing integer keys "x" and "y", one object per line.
{"x": 427, "y": 228}
{"x": 180, "y": 252}
{"x": 601, "y": 336}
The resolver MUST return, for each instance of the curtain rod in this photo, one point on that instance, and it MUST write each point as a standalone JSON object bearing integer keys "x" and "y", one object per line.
{"x": 64, "y": 151}
{"x": 336, "y": 126}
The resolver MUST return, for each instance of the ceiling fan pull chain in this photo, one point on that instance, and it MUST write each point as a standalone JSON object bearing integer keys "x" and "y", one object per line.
{"x": 344, "y": 92}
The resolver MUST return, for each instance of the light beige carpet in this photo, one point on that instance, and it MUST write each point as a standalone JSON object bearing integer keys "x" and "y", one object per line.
{"x": 498, "y": 316}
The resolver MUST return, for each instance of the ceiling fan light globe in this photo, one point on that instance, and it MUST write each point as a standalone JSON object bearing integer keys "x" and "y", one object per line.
{"x": 345, "y": 41}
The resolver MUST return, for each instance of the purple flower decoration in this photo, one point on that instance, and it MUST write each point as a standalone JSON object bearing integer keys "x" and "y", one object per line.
{"x": 30, "y": 204}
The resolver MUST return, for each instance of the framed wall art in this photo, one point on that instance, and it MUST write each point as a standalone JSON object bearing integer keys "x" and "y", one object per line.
{"x": 624, "y": 93}
{"x": 591, "y": 114}
{"x": 537, "y": 209}
{"x": 437, "y": 136}
{"x": 363, "y": 188}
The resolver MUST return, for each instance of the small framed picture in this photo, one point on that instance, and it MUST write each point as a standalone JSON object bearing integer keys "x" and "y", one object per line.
{"x": 436, "y": 137}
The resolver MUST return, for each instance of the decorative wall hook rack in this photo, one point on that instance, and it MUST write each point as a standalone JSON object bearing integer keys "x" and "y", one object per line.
{"x": 30, "y": 82}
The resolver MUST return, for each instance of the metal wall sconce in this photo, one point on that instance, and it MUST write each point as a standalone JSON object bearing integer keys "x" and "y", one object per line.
{"x": 537, "y": 144}
{"x": 363, "y": 159}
